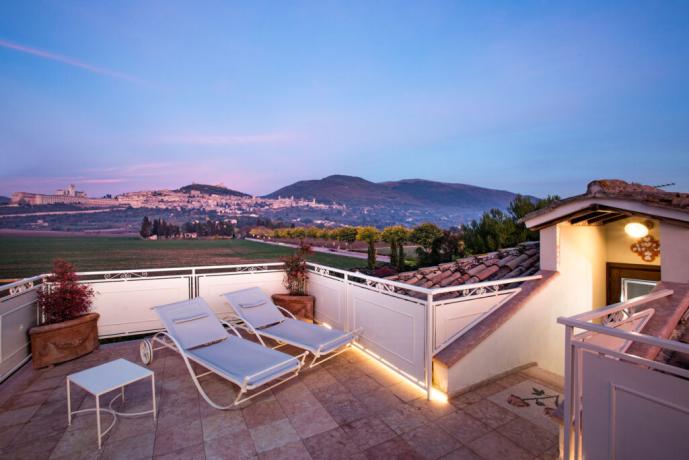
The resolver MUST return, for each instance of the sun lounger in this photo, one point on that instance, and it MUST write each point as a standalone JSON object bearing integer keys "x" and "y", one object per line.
{"x": 193, "y": 330}
{"x": 265, "y": 319}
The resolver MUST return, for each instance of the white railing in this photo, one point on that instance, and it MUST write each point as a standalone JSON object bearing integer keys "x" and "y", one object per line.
{"x": 404, "y": 325}
{"x": 614, "y": 399}
{"x": 410, "y": 312}
{"x": 18, "y": 314}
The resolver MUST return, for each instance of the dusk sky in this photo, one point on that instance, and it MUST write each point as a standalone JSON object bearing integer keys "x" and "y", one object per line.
{"x": 531, "y": 97}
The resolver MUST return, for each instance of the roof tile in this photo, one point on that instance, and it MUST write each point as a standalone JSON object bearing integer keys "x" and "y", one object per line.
{"x": 504, "y": 264}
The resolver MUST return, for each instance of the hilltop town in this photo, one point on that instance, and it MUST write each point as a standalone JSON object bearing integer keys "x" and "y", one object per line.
{"x": 193, "y": 196}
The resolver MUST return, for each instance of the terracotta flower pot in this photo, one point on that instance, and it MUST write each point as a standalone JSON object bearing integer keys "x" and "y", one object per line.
{"x": 301, "y": 306}
{"x": 60, "y": 342}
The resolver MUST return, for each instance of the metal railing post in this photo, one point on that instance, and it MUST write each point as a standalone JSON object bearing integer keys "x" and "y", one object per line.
{"x": 429, "y": 344}
{"x": 348, "y": 326}
{"x": 569, "y": 396}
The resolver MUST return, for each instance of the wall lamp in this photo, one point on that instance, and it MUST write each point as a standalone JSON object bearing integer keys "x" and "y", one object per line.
{"x": 636, "y": 230}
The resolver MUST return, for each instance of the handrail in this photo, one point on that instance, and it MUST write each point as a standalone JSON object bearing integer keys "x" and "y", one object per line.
{"x": 176, "y": 269}
{"x": 433, "y": 291}
{"x": 630, "y": 335}
{"x": 580, "y": 321}
{"x": 21, "y": 282}
{"x": 635, "y": 302}
{"x": 462, "y": 287}
{"x": 409, "y": 287}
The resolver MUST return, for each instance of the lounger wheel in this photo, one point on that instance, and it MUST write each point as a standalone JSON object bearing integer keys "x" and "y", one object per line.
{"x": 146, "y": 351}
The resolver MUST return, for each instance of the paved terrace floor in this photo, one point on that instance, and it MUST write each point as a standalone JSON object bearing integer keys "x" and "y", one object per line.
{"x": 349, "y": 408}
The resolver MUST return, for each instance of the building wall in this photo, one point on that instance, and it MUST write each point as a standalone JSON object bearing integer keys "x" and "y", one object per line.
{"x": 532, "y": 335}
{"x": 674, "y": 250}
{"x": 578, "y": 253}
{"x": 618, "y": 243}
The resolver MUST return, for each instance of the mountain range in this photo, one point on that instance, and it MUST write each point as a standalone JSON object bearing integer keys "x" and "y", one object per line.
{"x": 355, "y": 191}
{"x": 407, "y": 201}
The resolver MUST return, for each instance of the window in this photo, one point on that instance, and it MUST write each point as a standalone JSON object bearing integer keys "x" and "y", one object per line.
{"x": 632, "y": 288}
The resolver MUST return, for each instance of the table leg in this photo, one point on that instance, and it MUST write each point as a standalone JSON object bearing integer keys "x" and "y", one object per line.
{"x": 153, "y": 391}
{"x": 69, "y": 404}
{"x": 98, "y": 418}
{"x": 123, "y": 396}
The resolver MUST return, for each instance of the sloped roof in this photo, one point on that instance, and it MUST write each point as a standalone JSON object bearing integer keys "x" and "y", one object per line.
{"x": 522, "y": 260}
{"x": 614, "y": 193}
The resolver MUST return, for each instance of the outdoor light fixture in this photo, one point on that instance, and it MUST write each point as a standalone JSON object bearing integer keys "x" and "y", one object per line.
{"x": 636, "y": 230}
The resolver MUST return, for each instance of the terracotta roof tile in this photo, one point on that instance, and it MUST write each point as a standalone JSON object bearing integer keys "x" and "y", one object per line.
{"x": 619, "y": 189}
{"x": 508, "y": 263}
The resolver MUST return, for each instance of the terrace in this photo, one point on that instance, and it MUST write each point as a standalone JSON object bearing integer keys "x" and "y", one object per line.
{"x": 376, "y": 400}
{"x": 463, "y": 371}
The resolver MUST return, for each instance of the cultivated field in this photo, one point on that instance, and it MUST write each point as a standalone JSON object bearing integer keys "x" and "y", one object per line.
{"x": 22, "y": 256}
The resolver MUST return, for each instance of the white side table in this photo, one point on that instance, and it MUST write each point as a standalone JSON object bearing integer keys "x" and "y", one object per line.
{"x": 104, "y": 378}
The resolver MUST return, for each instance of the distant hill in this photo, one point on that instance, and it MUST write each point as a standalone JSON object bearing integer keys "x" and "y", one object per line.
{"x": 340, "y": 189}
{"x": 211, "y": 190}
{"x": 4, "y": 200}
{"x": 453, "y": 195}
{"x": 414, "y": 193}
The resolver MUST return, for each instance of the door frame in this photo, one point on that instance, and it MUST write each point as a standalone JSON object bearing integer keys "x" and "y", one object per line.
{"x": 615, "y": 271}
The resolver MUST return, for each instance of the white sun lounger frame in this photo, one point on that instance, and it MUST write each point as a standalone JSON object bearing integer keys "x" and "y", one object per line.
{"x": 240, "y": 322}
{"x": 166, "y": 340}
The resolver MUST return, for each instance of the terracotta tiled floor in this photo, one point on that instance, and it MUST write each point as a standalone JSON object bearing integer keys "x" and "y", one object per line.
{"x": 349, "y": 408}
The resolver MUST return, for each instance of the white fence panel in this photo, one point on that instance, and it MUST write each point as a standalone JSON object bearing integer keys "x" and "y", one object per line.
{"x": 211, "y": 287}
{"x": 331, "y": 307}
{"x": 18, "y": 313}
{"x": 452, "y": 318}
{"x": 125, "y": 305}
{"x": 394, "y": 328}
{"x": 633, "y": 412}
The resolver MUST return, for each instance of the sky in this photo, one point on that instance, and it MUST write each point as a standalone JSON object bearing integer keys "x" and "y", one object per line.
{"x": 533, "y": 97}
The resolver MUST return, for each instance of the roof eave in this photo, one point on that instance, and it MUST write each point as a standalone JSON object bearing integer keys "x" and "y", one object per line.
{"x": 563, "y": 210}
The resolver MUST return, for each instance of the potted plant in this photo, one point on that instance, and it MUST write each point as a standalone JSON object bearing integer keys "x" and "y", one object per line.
{"x": 68, "y": 330}
{"x": 297, "y": 301}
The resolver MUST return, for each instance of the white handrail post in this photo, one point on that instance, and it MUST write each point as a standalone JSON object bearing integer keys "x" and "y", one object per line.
{"x": 569, "y": 396}
{"x": 193, "y": 293}
{"x": 429, "y": 344}
{"x": 348, "y": 326}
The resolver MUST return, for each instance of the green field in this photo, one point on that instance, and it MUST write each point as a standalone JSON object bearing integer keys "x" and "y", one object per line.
{"x": 26, "y": 256}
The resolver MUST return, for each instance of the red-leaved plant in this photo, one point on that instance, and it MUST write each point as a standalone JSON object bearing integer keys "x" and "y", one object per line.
{"x": 296, "y": 273}
{"x": 64, "y": 298}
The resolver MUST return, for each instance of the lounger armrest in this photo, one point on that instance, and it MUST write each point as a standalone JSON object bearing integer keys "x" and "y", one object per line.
{"x": 263, "y": 372}
{"x": 344, "y": 338}
{"x": 228, "y": 324}
{"x": 289, "y": 313}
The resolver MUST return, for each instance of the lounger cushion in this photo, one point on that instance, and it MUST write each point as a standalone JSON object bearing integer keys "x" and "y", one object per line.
{"x": 254, "y": 307}
{"x": 239, "y": 358}
{"x": 306, "y": 335}
{"x": 192, "y": 323}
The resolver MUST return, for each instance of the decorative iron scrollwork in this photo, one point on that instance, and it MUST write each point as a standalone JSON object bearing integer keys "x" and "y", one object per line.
{"x": 21, "y": 288}
{"x": 481, "y": 290}
{"x": 254, "y": 268}
{"x": 381, "y": 287}
{"x": 322, "y": 271}
{"x": 125, "y": 276}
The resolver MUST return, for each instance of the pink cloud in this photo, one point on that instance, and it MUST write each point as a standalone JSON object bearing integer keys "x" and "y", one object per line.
{"x": 69, "y": 61}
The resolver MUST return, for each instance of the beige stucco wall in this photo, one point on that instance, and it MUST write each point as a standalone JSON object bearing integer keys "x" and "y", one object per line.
{"x": 674, "y": 250}
{"x": 579, "y": 254}
{"x": 532, "y": 335}
{"x": 618, "y": 243}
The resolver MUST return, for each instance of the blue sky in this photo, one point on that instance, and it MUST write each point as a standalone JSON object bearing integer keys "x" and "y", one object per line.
{"x": 532, "y": 97}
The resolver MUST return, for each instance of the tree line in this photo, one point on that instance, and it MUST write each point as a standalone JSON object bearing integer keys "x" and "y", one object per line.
{"x": 494, "y": 230}
{"x": 164, "y": 229}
